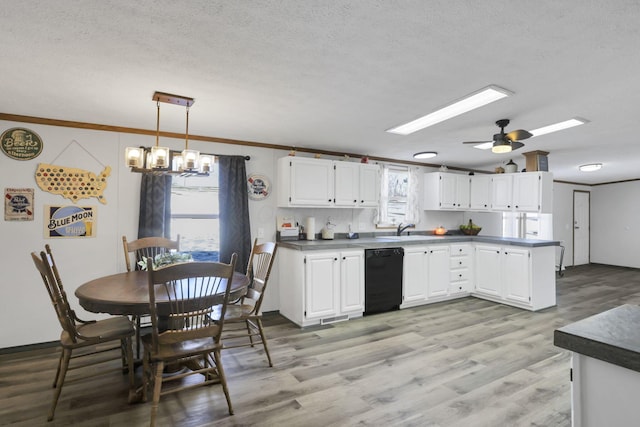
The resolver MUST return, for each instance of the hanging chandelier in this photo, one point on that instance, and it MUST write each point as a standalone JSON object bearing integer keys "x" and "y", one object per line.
{"x": 162, "y": 160}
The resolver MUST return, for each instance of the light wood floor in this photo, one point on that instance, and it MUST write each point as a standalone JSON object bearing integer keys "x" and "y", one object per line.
{"x": 462, "y": 363}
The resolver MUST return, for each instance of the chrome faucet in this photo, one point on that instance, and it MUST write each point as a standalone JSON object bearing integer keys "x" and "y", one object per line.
{"x": 401, "y": 228}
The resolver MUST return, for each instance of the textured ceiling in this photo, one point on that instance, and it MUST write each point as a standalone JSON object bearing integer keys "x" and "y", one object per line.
{"x": 334, "y": 75}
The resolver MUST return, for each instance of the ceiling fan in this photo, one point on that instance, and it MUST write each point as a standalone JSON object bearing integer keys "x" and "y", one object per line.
{"x": 505, "y": 142}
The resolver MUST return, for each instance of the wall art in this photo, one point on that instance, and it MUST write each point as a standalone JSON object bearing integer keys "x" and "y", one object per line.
{"x": 20, "y": 144}
{"x": 70, "y": 221}
{"x": 18, "y": 204}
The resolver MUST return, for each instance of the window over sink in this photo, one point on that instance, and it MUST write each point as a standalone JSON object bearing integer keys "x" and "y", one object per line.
{"x": 399, "y": 199}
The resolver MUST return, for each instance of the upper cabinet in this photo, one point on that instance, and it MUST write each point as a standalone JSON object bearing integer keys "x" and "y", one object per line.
{"x": 306, "y": 182}
{"x": 519, "y": 192}
{"x": 523, "y": 192}
{"x": 446, "y": 191}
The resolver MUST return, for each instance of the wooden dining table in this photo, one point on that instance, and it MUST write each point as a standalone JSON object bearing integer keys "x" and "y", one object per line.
{"x": 128, "y": 293}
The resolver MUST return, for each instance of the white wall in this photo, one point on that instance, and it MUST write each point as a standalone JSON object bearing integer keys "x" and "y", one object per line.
{"x": 615, "y": 227}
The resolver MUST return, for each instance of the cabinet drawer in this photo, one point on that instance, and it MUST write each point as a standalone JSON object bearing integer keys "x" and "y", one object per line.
{"x": 460, "y": 250}
{"x": 460, "y": 262}
{"x": 459, "y": 275}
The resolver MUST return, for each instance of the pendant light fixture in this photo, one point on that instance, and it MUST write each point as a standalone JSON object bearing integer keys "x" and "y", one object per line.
{"x": 158, "y": 159}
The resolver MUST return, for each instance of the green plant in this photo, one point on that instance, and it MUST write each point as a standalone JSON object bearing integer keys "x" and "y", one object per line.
{"x": 167, "y": 258}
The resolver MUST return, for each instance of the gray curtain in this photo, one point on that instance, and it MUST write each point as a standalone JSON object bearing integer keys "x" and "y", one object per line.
{"x": 155, "y": 206}
{"x": 235, "y": 230}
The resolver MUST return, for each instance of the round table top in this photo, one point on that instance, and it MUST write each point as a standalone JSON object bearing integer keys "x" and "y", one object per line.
{"x": 128, "y": 293}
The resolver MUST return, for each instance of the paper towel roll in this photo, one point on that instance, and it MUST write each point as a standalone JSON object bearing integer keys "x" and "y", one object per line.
{"x": 310, "y": 228}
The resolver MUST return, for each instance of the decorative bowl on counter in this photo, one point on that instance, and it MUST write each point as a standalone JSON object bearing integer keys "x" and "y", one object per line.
{"x": 470, "y": 231}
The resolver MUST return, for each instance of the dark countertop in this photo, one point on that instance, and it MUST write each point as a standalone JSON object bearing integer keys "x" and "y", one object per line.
{"x": 414, "y": 239}
{"x": 612, "y": 336}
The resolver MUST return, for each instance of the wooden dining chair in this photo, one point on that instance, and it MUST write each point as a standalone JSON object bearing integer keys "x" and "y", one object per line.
{"x": 80, "y": 334}
{"x": 243, "y": 320}
{"x": 182, "y": 329}
{"x": 138, "y": 250}
{"x": 147, "y": 247}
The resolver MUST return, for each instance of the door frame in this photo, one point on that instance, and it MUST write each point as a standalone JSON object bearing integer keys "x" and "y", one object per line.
{"x": 573, "y": 230}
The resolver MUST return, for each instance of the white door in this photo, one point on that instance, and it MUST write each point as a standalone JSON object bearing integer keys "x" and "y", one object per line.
{"x": 414, "y": 275}
{"x": 516, "y": 274}
{"x": 321, "y": 277}
{"x": 347, "y": 183}
{"x": 581, "y": 203}
{"x": 488, "y": 268}
{"x": 438, "y": 271}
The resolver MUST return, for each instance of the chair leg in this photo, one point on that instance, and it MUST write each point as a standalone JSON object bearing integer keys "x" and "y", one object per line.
{"x": 64, "y": 365}
{"x": 249, "y": 332}
{"x": 146, "y": 375}
{"x": 138, "y": 341}
{"x": 55, "y": 380}
{"x": 223, "y": 379}
{"x": 157, "y": 387}
{"x": 264, "y": 340}
{"x": 127, "y": 343}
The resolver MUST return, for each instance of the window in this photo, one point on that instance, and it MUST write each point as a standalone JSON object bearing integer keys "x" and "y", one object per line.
{"x": 195, "y": 215}
{"x": 398, "y": 191}
{"x": 399, "y": 198}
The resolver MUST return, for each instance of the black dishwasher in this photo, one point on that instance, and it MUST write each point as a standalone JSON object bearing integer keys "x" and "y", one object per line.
{"x": 382, "y": 279}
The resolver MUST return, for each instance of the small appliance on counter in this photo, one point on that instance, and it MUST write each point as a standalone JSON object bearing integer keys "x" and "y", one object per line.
{"x": 287, "y": 228}
{"x": 327, "y": 231}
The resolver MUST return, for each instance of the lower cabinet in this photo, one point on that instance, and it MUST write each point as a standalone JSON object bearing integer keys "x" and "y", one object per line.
{"x": 516, "y": 276}
{"x": 461, "y": 269}
{"x": 425, "y": 277}
{"x": 318, "y": 287}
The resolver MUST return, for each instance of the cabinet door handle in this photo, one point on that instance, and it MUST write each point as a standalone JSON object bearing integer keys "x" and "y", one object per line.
{"x": 460, "y": 262}
{"x": 497, "y": 252}
{"x": 335, "y": 259}
{"x": 355, "y": 201}
{"x": 344, "y": 257}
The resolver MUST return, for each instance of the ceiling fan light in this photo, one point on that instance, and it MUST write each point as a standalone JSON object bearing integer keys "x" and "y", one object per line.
{"x": 576, "y": 121}
{"x": 501, "y": 148}
{"x": 592, "y": 167}
{"x": 470, "y": 102}
{"x": 425, "y": 155}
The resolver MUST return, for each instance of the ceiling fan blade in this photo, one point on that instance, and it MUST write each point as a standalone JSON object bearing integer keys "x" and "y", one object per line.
{"x": 476, "y": 142}
{"x": 519, "y": 134}
{"x": 515, "y": 145}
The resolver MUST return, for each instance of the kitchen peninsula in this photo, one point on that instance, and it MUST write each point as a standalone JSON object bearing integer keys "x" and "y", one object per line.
{"x": 323, "y": 281}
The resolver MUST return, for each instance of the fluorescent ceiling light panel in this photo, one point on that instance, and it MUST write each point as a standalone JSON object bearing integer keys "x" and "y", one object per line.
{"x": 576, "y": 121}
{"x": 470, "y": 102}
{"x": 484, "y": 145}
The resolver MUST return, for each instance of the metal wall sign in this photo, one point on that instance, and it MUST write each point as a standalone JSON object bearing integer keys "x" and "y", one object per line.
{"x": 21, "y": 144}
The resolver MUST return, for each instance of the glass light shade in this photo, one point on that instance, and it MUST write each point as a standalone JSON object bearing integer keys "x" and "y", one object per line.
{"x": 592, "y": 167}
{"x": 501, "y": 148}
{"x": 190, "y": 159}
{"x": 177, "y": 165}
{"x": 205, "y": 163}
{"x": 134, "y": 157}
{"x": 159, "y": 157}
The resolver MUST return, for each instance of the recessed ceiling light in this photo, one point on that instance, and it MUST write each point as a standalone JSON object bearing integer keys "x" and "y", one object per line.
{"x": 425, "y": 155}
{"x": 590, "y": 167}
{"x": 470, "y": 102}
{"x": 576, "y": 121}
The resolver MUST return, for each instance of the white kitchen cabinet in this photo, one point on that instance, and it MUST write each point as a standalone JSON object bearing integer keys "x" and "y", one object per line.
{"x": 501, "y": 192}
{"x": 369, "y": 185}
{"x": 522, "y": 277}
{"x": 414, "y": 276}
{"x": 446, "y": 191}
{"x": 487, "y": 271}
{"x": 351, "y": 281}
{"x": 306, "y": 182}
{"x": 347, "y": 183}
{"x": 516, "y": 278}
{"x": 318, "y": 287}
{"x": 503, "y": 273}
{"x": 480, "y": 193}
{"x": 438, "y": 271}
{"x": 522, "y": 192}
{"x": 461, "y": 268}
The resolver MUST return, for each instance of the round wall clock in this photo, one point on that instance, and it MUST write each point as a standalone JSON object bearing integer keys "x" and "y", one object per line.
{"x": 258, "y": 186}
